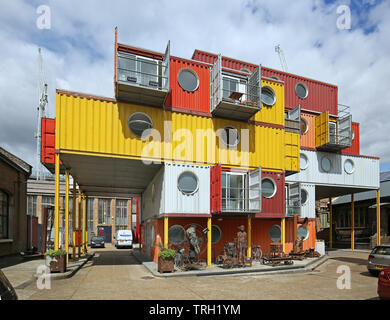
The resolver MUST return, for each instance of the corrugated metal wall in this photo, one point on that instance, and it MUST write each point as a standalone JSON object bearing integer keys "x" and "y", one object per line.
{"x": 96, "y": 126}
{"x": 366, "y": 170}
{"x": 274, "y": 207}
{"x": 308, "y": 209}
{"x": 175, "y": 200}
{"x": 198, "y": 100}
{"x": 321, "y": 96}
{"x": 48, "y": 140}
{"x": 308, "y": 139}
{"x": 275, "y": 113}
{"x": 355, "y": 148}
{"x": 292, "y": 150}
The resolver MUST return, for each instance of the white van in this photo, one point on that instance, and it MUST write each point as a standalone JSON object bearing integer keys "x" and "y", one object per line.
{"x": 123, "y": 238}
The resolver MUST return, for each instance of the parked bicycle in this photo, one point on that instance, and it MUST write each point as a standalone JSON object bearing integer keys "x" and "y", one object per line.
{"x": 257, "y": 253}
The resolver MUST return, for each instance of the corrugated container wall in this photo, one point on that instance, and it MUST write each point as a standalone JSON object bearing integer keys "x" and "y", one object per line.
{"x": 308, "y": 209}
{"x": 355, "y": 148}
{"x": 199, "y": 100}
{"x": 321, "y": 96}
{"x": 96, "y": 126}
{"x": 273, "y": 207}
{"x": 180, "y": 203}
{"x": 48, "y": 140}
{"x": 364, "y": 171}
{"x": 308, "y": 138}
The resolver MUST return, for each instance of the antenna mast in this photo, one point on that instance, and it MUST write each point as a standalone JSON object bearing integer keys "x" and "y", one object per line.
{"x": 42, "y": 102}
{"x": 282, "y": 59}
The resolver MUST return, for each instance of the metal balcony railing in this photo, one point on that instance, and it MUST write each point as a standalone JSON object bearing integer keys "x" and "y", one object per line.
{"x": 238, "y": 200}
{"x": 240, "y": 92}
{"x": 139, "y": 71}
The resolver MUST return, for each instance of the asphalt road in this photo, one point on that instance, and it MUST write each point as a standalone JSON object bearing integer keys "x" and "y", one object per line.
{"x": 116, "y": 274}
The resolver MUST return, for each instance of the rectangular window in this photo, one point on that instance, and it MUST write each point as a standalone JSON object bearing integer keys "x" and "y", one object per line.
{"x": 4, "y": 212}
{"x": 104, "y": 211}
{"x": 233, "y": 191}
{"x": 32, "y": 206}
{"x": 121, "y": 214}
{"x": 48, "y": 201}
{"x": 231, "y": 84}
{"x": 90, "y": 215}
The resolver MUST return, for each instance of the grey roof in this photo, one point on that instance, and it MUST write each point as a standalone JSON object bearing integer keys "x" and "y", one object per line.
{"x": 14, "y": 161}
{"x": 385, "y": 176}
{"x": 367, "y": 195}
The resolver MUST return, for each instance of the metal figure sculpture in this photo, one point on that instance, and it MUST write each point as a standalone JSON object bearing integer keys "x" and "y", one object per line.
{"x": 194, "y": 249}
{"x": 242, "y": 240}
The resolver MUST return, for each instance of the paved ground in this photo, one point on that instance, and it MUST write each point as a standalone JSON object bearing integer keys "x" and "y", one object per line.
{"x": 116, "y": 274}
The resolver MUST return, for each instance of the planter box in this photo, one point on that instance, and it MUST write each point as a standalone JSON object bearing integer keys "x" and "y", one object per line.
{"x": 165, "y": 265}
{"x": 57, "y": 263}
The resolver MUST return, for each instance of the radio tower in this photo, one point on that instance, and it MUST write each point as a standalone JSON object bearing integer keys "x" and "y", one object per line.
{"x": 42, "y": 102}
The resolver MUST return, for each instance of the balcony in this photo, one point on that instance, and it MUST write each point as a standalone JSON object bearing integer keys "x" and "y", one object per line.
{"x": 142, "y": 79}
{"x": 234, "y": 96}
{"x": 235, "y": 192}
{"x": 334, "y": 135}
{"x": 293, "y": 120}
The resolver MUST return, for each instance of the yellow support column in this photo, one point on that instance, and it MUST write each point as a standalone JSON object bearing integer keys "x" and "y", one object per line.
{"x": 378, "y": 217}
{"x": 166, "y": 232}
{"x": 283, "y": 235}
{"x": 330, "y": 224}
{"x": 86, "y": 223}
{"x": 249, "y": 249}
{"x": 74, "y": 220}
{"x": 67, "y": 215}
{"x": 209, "y": 242}
{"x": 79, "y": 225}
{"x": 83, "y": 226}
{"x": 352, "y": 223}
{"x": 57, "y": 201}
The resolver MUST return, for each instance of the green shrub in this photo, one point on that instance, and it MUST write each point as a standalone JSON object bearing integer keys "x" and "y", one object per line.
{"x": 167, "y": 254}
{"x": 53, "y": 253}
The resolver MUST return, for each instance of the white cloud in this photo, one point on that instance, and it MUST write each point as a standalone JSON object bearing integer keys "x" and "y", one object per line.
{"x": 79, "y": 53}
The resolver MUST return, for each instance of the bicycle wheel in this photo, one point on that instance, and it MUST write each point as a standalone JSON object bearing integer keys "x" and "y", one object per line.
{"x": 178, "y": 261}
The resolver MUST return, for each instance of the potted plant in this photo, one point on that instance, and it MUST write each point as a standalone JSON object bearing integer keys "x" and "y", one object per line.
{"x": 56, "y": 260}
{"x": 166, "y": 260}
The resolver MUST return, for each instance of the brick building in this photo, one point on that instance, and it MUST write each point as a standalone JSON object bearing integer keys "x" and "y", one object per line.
{"x": 14, "y": 173}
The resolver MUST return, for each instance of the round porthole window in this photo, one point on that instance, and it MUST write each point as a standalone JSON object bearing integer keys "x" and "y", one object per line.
{"x": 230, "y": 136}
{"x": 188, "y": 79}
{"x": 187, "y": 183}
{"x": 326, "y": 164}
{"x": 216, "y": 234}
{"x": 304, "y": 196}
{"x": 268, "y": 188}
{"x": 349, "y": 166}
{"x": 303, "y": 161}
{"x": 303, "y": 233}
{"x": 304, "y": 126}
{"x": 139, "y": 122}
{"x": 275, "y": 233}
{"x": 268, "y": 96}
{"x": 301, "y": 90}
{"x": 176, "y": 234}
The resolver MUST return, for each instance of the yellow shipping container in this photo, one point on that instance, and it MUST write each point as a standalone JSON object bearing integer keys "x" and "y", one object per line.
{"x": 100, "y": 127}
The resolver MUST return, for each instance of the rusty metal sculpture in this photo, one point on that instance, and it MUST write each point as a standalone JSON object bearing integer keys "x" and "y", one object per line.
{"x": 242, "y": 240}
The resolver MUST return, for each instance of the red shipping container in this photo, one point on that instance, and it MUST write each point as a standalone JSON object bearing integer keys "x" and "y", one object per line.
{"x": 199, "y": 100}
{"x": 355, "y": 148}
{"x": 321, "y": 96}
{"x": 215, "y": 189}
{"x": 47, "y": 140}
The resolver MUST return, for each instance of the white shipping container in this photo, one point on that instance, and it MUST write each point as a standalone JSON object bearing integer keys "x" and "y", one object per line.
{"x": 331, "y": 169}
{"x": 177, "y": 189}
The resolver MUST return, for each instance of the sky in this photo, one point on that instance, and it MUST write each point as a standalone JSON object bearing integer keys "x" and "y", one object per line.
{"x": 77, "y": 42}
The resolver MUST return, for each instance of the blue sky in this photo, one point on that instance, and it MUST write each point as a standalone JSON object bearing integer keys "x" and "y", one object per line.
{"x": 78, "y": 51}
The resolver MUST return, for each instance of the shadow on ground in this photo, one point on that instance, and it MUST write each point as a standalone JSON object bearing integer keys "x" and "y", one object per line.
{"x": 357, "y": 261}
{"x": 117, "y": 257}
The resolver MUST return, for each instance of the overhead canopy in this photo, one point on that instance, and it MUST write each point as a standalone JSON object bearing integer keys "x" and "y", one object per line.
{"x": 323, "y": 192}
{"x": 108, "y": 176}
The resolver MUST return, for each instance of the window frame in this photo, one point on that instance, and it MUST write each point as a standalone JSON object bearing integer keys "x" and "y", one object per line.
{"x": 140, "y": 113}
{"x": 280, "y": 229}
{"x": 197, "y": 183}
{"x": 5, "y": 216}
{"x": 194, "y": 73}
{"x": 227, "y": 136}
{"x": 273, "y": 183}
{"x": 306, "y": 88}
{"x": 272, "y": 91}
{"x": 353, "y": 166}
{"x": 307, "y": 161}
